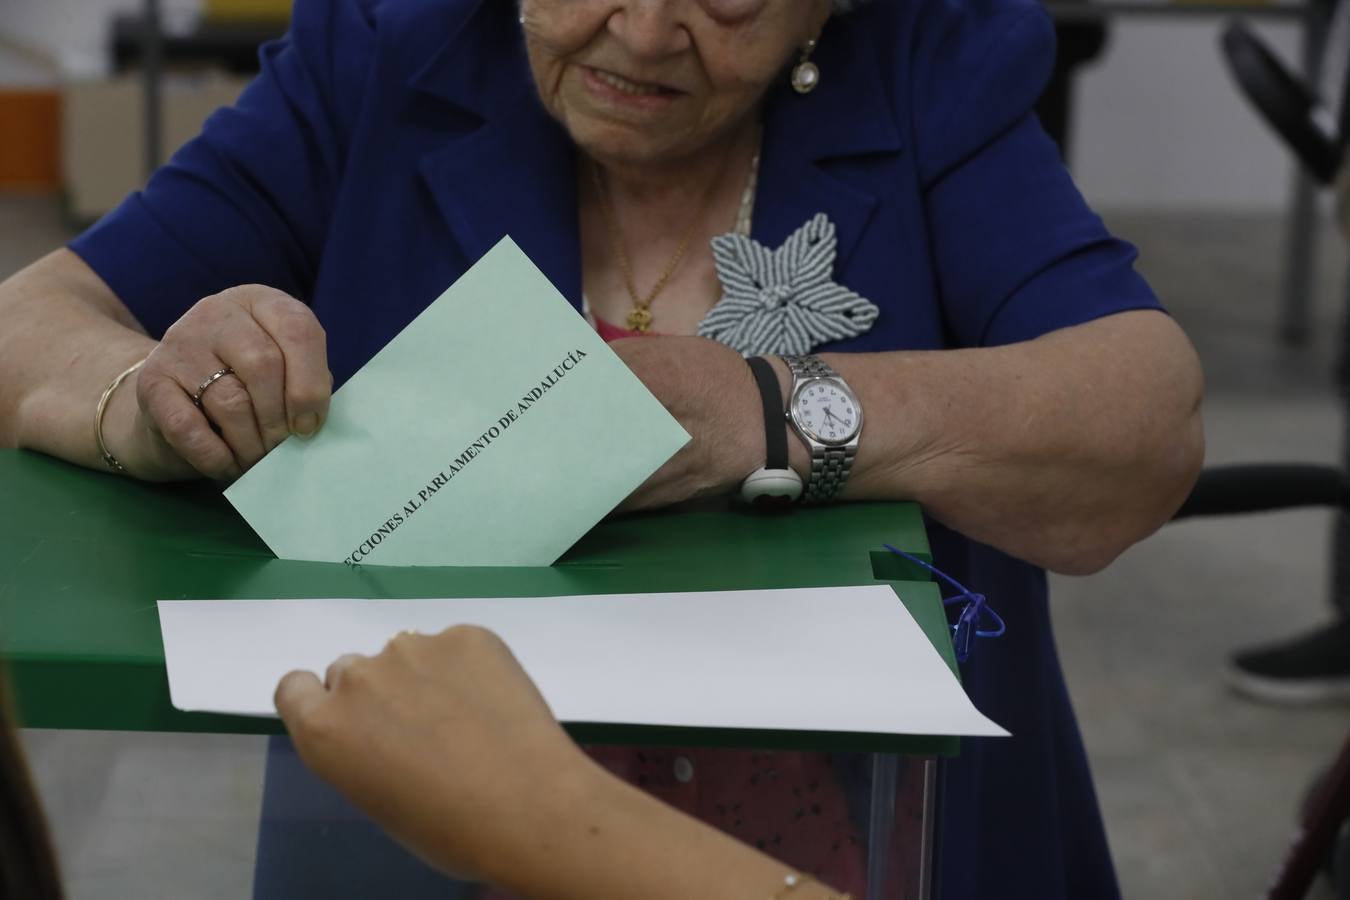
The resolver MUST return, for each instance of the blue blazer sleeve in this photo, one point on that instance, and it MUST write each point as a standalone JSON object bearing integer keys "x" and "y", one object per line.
{"x": 249, "y": 199}
{"x": 1016, "y": 249}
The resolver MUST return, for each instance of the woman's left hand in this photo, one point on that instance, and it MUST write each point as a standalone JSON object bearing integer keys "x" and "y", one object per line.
{"x": 709, "y": 389}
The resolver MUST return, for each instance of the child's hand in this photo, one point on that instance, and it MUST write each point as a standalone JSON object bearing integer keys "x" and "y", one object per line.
{"x": 445, "y": 742}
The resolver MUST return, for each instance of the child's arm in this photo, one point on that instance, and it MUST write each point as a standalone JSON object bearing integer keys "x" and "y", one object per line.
{"x": 447, "y": 743}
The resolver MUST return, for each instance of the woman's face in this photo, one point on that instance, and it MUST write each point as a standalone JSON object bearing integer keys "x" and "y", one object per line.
{"x": 650, "y": 81}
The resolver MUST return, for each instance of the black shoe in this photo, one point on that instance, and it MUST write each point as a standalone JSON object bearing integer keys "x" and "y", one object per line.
{"x": 1312, "y": 668}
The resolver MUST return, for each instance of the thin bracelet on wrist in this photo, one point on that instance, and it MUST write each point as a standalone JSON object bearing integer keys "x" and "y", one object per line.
{"x": 112, "y": 462}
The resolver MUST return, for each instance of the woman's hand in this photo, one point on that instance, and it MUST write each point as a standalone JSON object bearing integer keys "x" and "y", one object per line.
{"x": 280, "y": 386}
{"x": 445, "y": 742}
{"x": 709, "y": 389}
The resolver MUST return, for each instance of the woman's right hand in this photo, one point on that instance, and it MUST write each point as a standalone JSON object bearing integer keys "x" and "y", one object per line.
{"x": 280, "y": 386}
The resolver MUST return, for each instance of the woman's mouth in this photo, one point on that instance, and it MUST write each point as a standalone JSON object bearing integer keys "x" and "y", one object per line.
{"x": 616, "y": 89}
{"x": 636, "y": 88}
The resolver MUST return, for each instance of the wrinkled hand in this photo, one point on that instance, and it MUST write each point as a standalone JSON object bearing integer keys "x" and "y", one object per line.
{"x": 709, "y": 389}
{"x": 444, "y": 741}
{"x": 281, "y": 386}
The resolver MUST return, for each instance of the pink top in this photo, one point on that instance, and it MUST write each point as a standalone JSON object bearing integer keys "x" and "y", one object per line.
{"x": 610, "y": 332}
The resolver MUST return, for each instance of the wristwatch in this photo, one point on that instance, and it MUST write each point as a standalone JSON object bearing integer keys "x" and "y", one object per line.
{"x": 825, "y": 413}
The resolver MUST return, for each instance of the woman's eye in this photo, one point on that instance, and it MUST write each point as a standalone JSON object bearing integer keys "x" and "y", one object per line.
{"x": 733, "y": 10}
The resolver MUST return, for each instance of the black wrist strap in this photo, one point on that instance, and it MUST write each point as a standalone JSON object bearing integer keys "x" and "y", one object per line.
{"x": 775, "y": 430}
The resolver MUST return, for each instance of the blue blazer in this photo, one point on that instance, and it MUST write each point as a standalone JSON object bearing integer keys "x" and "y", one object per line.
{"x": 388, "y": 144}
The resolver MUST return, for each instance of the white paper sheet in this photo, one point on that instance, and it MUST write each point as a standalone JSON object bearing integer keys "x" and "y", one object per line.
{"x": 848, "y": 659}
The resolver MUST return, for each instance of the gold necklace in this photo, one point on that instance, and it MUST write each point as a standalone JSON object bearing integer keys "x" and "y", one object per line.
{"x": 640, "y": 316}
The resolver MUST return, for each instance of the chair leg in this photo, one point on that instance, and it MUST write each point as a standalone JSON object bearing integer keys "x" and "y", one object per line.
{"x": 1340, "y": 538}
{"x": 1328, "y": 808}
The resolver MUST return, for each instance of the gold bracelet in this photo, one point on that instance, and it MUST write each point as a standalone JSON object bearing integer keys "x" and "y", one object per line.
{"x": 112, "y": 462}
{"x": 794, "y": 880}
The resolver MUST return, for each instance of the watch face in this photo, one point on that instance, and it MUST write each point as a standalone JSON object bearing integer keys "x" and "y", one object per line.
{"x": 826, "y": 411}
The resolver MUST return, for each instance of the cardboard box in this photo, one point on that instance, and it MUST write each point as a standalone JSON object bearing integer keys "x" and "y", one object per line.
{"x": 103, "y": 133}
{"x": 30, "y": 121}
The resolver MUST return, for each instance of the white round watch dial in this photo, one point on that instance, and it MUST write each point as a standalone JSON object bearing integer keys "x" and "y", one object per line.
{"x": 827, "y": 411}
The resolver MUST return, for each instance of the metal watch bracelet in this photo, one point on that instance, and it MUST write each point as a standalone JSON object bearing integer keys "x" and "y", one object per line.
{"x": 830, "y": 464}
{"x": 829, "y": 471}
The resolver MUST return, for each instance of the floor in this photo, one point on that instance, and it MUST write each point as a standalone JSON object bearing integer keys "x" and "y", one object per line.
{"x": 1199, "y": 788}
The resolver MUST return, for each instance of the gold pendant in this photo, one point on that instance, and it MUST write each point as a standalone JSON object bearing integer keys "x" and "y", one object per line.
{"x": 640, "y": 319}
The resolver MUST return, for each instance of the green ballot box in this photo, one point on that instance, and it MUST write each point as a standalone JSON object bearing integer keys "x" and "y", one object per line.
{"x": 90, "y": 554}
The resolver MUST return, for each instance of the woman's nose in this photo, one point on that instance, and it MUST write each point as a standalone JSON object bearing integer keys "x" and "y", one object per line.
{"x": 650, "y": 28}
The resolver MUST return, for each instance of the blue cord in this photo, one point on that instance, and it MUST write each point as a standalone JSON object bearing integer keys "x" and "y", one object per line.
{"x": 966, "y": 627}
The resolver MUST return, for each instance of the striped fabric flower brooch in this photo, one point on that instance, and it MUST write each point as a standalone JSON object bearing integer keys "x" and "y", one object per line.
{"x": 783, "y": 301}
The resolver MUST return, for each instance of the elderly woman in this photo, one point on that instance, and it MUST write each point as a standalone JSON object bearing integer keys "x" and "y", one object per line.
{"x": 863, "y": 191}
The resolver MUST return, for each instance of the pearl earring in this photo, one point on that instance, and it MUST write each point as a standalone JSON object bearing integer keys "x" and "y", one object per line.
{"x": 806, "y": 74}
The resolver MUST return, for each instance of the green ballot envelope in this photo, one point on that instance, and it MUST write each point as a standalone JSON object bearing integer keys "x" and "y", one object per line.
{"x": 495, "y": 430}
